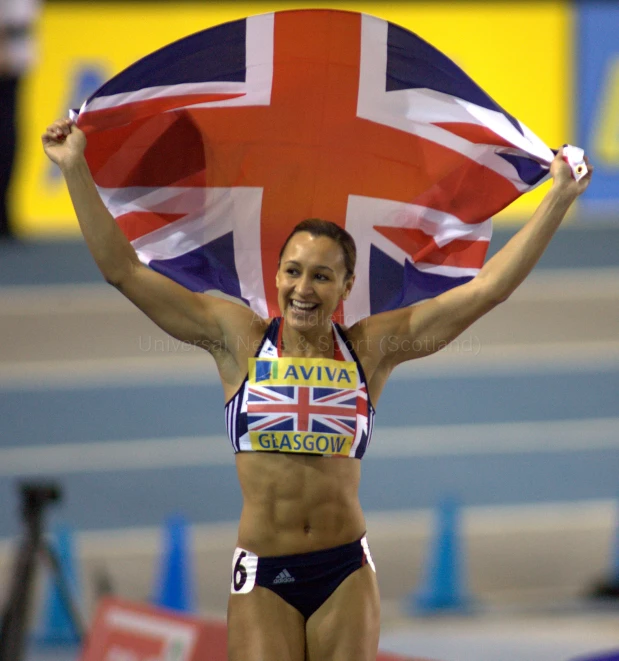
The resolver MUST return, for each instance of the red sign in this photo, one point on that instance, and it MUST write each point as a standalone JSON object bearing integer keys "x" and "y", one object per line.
{"x": 126, "y": 631}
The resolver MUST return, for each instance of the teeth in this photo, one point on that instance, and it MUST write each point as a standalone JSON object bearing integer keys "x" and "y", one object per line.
{"x": 303, "y": 306}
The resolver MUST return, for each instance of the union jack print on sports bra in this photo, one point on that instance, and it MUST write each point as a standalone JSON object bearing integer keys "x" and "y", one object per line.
{"x": 316, "y": 406}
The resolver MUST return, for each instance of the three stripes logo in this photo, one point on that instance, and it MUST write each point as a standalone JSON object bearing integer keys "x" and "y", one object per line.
{"x": 283, "y": 577}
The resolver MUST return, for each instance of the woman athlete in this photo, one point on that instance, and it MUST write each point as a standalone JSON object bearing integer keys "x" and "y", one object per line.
{"x": 303, "y": 582}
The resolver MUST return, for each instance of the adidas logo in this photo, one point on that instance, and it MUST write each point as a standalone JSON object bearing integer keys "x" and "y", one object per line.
{"x": 283, "y": 577}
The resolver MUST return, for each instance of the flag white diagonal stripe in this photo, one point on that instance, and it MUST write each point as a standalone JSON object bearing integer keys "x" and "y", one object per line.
{"x": 411, "y": 110}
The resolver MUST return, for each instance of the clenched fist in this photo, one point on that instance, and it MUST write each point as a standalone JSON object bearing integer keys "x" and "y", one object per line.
{"x": 64, "y": 143}
{"x": 562, "y": 175}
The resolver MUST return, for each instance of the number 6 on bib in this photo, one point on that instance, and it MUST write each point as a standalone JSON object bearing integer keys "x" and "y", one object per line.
{"x": 244, "y": 566}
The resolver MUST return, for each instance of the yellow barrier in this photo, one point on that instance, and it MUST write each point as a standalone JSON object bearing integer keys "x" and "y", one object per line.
{"x": 519, "y": 52}
{"x": 606, "y": 128}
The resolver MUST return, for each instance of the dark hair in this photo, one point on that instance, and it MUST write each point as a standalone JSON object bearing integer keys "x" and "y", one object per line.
{"x": 319, "y": 227}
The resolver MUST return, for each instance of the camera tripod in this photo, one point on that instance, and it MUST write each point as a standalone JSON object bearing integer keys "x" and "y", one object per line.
{"x": 35, "y": 496}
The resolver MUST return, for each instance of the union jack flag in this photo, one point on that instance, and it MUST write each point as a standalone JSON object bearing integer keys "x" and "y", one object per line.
{"x": 302, "y": 408}
{"x": 208, "y": 151}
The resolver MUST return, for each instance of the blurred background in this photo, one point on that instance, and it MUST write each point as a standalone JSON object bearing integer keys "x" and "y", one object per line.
{"x": 517, "y": 422}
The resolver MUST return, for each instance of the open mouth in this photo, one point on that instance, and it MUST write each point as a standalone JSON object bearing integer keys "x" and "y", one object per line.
{"x": 303, "y": 307}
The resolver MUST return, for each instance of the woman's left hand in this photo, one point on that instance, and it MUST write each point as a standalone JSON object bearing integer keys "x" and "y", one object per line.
{"x": 562, "y": 175}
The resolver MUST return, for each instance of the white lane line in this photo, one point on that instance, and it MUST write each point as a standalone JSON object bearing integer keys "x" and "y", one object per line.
{"x": 191, "y": 368}
{"x": 106, "y": 456}
{"x": 555, "y": 436}
{"x": 464, "y": 357}
{"x": 33, "y": 300}
{"x": 467, "y": 357}
{"x": 497, "y": 438}
{"x": 569, "y": 285}
{"x": 546, "y": 517}
{"x": 65, "y": 300}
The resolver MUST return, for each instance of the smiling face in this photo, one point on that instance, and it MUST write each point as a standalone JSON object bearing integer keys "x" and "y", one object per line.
{"x": 311, "y": 280}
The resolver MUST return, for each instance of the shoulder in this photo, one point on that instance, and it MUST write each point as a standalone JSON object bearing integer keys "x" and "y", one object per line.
{"x": 234, "y": 314}
{"x": 421, "y": 329}
{"x": 370, "y": 336}
{"x": 381, "y": 340}
{"x": 369, "y": 339}
{"x": 241, "y": 328}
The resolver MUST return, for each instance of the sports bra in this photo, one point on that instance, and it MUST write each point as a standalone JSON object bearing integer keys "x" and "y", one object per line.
{"x": 316, "y": 406}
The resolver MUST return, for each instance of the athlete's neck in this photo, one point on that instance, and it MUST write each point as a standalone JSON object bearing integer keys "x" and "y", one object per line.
{"x": 316, "y": 342}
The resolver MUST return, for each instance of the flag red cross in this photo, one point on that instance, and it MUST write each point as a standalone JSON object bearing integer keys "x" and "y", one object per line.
{"x": 304, "y": 408}
{"x": 308, "y": 150}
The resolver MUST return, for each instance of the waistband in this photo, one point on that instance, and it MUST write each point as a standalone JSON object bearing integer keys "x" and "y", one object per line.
{"x": 321, "y": 554}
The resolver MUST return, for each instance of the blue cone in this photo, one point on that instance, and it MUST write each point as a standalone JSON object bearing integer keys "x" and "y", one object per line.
{"x": 615, "y": 553}
{"x": 444, "y": 589}
{"x": 607, "y": 656}
{"x": 56, "y": 626}
{"x": 174, "y": 588}
{"x": 608, "y": 587}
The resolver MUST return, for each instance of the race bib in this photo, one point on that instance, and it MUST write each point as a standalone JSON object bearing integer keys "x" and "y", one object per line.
{"x": 244, "y": 567}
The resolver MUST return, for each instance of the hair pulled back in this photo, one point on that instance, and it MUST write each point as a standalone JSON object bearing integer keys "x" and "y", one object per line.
{"x": 319, "y": 227}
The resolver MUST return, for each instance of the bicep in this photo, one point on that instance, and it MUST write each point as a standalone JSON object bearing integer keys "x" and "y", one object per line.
{"x": 425, "y": 328}
{"x": 188, "y": 316}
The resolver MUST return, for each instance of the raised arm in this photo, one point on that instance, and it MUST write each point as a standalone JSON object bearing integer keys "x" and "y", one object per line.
{"x": 191, "y": 317}
{"x": 425, "y": 328}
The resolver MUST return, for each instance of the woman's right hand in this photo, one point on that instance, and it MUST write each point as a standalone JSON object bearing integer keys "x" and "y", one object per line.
{"x": 63, "y": 142}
